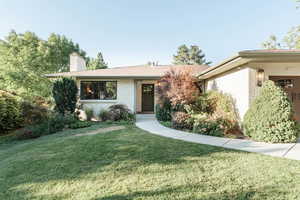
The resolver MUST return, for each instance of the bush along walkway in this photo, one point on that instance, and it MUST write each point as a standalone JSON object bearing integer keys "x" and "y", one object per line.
{"x": 150, "y": 124}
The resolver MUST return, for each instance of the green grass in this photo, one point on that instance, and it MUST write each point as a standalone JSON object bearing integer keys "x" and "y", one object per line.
{"x": 133, "y": 164}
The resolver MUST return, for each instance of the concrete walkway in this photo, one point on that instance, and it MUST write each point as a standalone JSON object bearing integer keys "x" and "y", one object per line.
{"x": 150, "y": 124}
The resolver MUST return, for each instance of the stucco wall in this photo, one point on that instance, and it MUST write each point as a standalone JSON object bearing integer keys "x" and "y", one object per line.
{"x": 235, "y": 83}
{"x": 125, "y": 95}
{"x": 271, "y": 69}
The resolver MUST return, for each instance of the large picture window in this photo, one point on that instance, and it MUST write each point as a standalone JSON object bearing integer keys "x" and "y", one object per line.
{"x": 98, "y": 90}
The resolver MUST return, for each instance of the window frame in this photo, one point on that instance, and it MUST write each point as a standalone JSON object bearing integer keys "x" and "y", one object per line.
{"x": 97, "y": 100}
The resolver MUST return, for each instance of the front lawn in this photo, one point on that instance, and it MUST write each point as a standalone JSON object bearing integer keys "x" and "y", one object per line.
{"x": 133, "y": 164}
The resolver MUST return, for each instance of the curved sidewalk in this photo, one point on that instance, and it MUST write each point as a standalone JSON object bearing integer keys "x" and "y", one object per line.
{"x": 149, "y": 123}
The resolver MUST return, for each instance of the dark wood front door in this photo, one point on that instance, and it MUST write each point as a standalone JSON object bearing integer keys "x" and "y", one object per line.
{"x": 291, "y": 85}
{"x": 147, "y": 97}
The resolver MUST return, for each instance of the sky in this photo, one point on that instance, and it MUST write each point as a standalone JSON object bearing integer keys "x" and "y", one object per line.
{"x": 133, "y": 32}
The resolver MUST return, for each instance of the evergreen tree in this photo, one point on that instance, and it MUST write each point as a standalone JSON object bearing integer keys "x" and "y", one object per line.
{"x": 189, "y": 56}
{"x": 96, "y": 63}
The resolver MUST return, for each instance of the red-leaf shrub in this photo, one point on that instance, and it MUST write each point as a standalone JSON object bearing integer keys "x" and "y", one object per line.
{"x": 180, "y": 120}
{"x": 179, "y": 85}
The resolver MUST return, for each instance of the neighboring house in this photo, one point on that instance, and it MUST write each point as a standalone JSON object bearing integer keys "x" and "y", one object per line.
{"x": 242, "y": 75}
{"x": 133, "y": 86}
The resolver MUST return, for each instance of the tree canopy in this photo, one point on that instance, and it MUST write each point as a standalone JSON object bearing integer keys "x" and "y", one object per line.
{"x": 25, "y": 58}
{"x": 290, "y": 41}
{"x": 96, "y": 63}
{"x": 189, "y": 56}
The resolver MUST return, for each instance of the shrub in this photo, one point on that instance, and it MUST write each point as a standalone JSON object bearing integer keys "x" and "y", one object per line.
{"x": 32, "y": 114}
{"x": 80, "y": 124}
{"x": 203, "y": 125}
{"x": 163, "y": 111}
{"x": 65, "y": 95}
{"x": 221, "y": 108}
{"x": 89, "y": 113}
{"x": 179, "y": 86}
{"x": 10, "y": 112}
{"x": 119, "y": 112}
{"x": 31, "y": 132}
{"x": 269, "y": 118}
{"x": 180, "y": 120}
{"x": 104, "y": 115}
{"x": 54, "y": 123}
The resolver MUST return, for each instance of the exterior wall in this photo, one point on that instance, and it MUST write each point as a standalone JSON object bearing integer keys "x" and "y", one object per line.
{"x": 139, "y": 93}
{"x": 125, "y": 95}
{"x": 241, "y": 83}
{"x": 272, "y": 69}
{"x": 236, "y": 83}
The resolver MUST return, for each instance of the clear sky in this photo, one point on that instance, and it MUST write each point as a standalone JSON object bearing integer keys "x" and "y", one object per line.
{"x": 130, "y": 32}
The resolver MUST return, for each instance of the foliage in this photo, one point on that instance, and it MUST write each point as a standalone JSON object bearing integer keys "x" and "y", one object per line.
{"x": 290, "y": 41}
{"x": 163, "y": 111}
{"x": 33, "y": 113}
{"x": 25, "y": 58}
{"x": 65, "y": 95}
{"x": 31, "y": 132}
{"x": 166, "y": 123}
{"x": 120, "y": 112}
{"x": 80, "y": 124}
{"x": 104, "y": 115}
{"x": 180, "y": 121}
{"x": 189, "y": 56}
{"x": 207, "y": 126}
{"x": 221, "y": 108}
{"x": 89, "y": 112}
{"x": 269, "y": 118}
{"x": 215, "y": 112}
{"x": 96, "y": 63}
{"x": 59, "y": 50}
{"x": 179, "y": 86}
{"x": 53, "y": 124}
{"x": 10, "y": 110}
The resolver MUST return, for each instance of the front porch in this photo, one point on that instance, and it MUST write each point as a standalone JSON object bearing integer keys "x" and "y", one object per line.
{"x": 145, "y": 100}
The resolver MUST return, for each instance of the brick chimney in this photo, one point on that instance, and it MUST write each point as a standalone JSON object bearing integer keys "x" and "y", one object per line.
{"x": 77, "y": 63}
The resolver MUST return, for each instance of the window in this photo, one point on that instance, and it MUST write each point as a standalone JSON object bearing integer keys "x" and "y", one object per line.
{"x": 98, "y": 90}
{"x": 285, "y": 83}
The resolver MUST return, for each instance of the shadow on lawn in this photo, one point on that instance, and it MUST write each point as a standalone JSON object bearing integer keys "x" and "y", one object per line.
{"x": 68, "y": 158}
{"x": 196, "y": 194}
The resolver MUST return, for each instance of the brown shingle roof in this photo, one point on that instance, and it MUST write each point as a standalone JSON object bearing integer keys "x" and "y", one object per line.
{"x": 142, "y": 71}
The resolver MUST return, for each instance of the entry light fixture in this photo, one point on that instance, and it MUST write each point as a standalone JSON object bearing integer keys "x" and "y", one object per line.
{"x": 260, "y": 77}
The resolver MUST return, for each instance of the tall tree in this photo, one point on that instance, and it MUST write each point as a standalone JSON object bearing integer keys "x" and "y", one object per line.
{"x": 96, "y": 63}
{"x": 60, "y": 49}
{"x": 189, "y": 56}
{"x": 290, "y": 41}
{"x": 25, "y": 58}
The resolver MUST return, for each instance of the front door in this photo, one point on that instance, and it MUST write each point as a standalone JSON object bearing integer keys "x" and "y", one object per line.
{"x": 291, "y": 85}
{"x": 147, "y": 97}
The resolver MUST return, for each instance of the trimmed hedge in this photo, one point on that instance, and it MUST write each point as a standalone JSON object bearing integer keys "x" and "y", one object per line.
{"x": 270, "y": 116}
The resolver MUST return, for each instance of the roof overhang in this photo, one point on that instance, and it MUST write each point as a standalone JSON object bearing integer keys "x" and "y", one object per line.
{"x": 103, "y": 77}
{"x": 245, "y": 57}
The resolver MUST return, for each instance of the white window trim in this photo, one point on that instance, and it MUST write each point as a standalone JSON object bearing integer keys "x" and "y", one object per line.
{"x": 97, "y": 100}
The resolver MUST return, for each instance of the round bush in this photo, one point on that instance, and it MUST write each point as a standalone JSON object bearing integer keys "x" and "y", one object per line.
{"x": 270, "y": 116}
{"x": 10, "y": 112}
